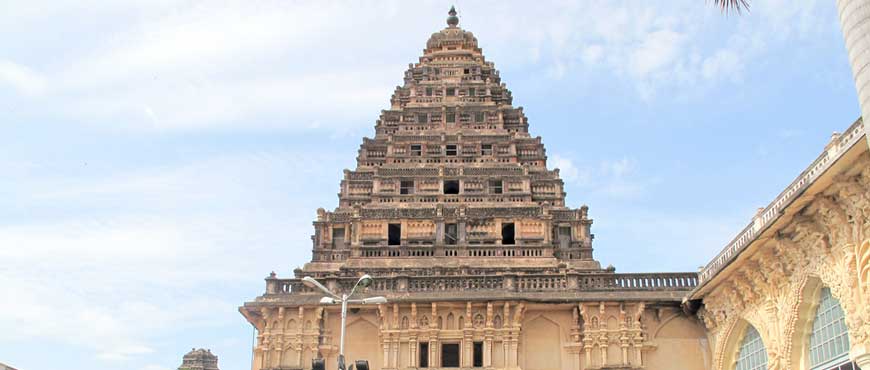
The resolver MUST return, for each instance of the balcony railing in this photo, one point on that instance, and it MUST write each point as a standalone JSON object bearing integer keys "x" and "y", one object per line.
{"x": 516, "y": 283}
{"x": 479, "y": 250}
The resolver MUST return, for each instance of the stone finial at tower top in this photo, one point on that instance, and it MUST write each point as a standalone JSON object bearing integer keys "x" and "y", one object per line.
{"x": 452, "y": 20}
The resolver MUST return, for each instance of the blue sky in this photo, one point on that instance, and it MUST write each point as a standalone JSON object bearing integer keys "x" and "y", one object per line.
{"x": 158, "y": 159}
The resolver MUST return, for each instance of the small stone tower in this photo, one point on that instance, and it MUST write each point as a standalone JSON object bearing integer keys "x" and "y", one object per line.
{"x": 199, "y": 359}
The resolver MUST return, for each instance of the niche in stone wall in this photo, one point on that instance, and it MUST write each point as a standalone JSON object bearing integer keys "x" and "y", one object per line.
{"x": 290, "y": 358}
{"x": 614, "y": 352}
{"x": 362, "y": 344}
{"x": 542, "y": 344}
{"x": 498, "y": 354}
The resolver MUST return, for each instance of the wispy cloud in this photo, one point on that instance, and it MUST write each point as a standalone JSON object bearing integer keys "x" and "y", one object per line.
{"x": 612, "y": 178}
{"x": 194, "y": 66}
{"x": 21, "y": 78}
{"x": 147, "y": 248}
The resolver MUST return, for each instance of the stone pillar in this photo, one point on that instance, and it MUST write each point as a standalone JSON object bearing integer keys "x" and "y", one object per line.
{"x": 487, "y": 350}
{"x": 434, "y": 360}
{"x": 624, "y": 354}
{"x": 855, "y": 23}
{"x": 603, "y": 346}
{"x": 412, "y": 351}
{"x": 588, "y": 356}
{"x": 505, "y": 344}
{"x": 466, "y": 349}
{"x": 387, "y": 344}
{"x": 514, "y": 357}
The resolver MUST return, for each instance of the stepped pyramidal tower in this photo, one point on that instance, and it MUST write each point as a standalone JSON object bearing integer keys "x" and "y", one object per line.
{"x": 454, "y": 213}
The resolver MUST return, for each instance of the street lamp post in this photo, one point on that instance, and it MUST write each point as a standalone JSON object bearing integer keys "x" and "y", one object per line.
{"x": 344, "y": 299}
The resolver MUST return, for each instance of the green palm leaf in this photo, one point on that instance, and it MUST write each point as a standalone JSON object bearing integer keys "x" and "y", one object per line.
{"x": 732, "y": 5}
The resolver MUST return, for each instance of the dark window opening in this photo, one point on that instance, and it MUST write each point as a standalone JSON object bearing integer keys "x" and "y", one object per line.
{"x": 451, "y": 91}
{"x": 395, "y": 234}
{"x": 424, "y": 355}
{"x": 406, "y": 187}
{"x": 338, "y": 237}
{"x": 451, "y": 149}
{"x": 486, "y": 149}
{"x": 422, "y": 118}
{"x": 451, "y": 234}
{"x": 564, "y": 236}
{"x": 428, "y": 91}
{"x": 451, "y": 117}
{"x": 416, "y": 150}
{"x": 471, "y": 91}
{"x": 478, "y": 117}
{"x": 450, "y": 355}
{"x": 467, "y": 71}
{"x": 495, "y": 187}
{"x": 451, "y": 186}
{"x": 507, "y": 233}
{"x": 478, "y": 355}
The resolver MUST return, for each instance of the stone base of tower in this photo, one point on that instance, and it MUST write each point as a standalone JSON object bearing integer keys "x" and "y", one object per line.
{"x": 612, "y": 334}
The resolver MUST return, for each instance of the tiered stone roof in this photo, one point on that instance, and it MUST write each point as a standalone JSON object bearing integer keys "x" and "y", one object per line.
{"x": 453, "y": 194}
{"x": 199, "y": 359}
{"x": 452, "y": 150}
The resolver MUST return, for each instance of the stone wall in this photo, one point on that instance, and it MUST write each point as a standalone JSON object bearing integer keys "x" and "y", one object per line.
{"x": 511, "y": 334}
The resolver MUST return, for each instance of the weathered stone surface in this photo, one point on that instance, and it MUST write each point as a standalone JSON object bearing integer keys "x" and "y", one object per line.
{"x": 199, "y": 359}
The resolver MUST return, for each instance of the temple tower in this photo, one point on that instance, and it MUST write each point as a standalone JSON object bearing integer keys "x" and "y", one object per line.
{"x": 454, "y": 212}
{"x": 199, "y": 359}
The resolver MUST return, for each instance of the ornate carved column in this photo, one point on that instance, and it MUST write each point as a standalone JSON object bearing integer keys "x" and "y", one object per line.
{"x": 505, "y": 342}
{"x": 487, "y": 341}
{"x": 637, "y": 334}
{"x": 434, "y": 360}
{"x": 467, "y": 337}
{"x": 396, "y": 342}
{"x": 586, "y": 337}
{"x": 412, "y": 338}
{"x": 300, "y": 335}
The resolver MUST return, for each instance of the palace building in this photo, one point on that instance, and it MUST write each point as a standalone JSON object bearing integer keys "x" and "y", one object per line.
{"x": 454, "y": 212}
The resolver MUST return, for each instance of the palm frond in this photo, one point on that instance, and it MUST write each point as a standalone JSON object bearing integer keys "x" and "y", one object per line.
{"x": 732, "y": 5}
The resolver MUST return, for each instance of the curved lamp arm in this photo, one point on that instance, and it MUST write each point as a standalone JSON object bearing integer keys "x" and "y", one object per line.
{"x": 364, "y": 280}
{"x": 311, "y": 283}
{"x": 370, "y": 300}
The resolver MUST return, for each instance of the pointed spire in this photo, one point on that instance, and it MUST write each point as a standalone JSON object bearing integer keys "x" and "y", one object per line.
{"x": 452, "y": 20}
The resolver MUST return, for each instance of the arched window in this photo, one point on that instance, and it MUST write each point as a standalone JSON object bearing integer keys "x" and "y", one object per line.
{"x": 829, "y": 341}
{"x": 752, "y": 355}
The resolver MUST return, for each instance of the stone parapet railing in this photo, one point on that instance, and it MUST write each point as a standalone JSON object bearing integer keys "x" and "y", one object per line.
{"x": 507, "y": 283}
{"x": 839, "y": 145}
{"x": 454, "y": 251}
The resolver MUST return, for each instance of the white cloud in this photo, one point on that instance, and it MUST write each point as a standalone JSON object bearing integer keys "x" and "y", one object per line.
{"x": 724, "y": 64}
{"x": 155, "y": 367}
{"x": 612, "y": 178}
{"x": 124, "y": 353}
{"x": 592, "y": 54}
{"x": 145, "y": 250}
{"x": 21, "y": 78}
{"x": 194, "y": 66}
{"x": 657, "y": 50}
{"x": 568, "y": 171}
